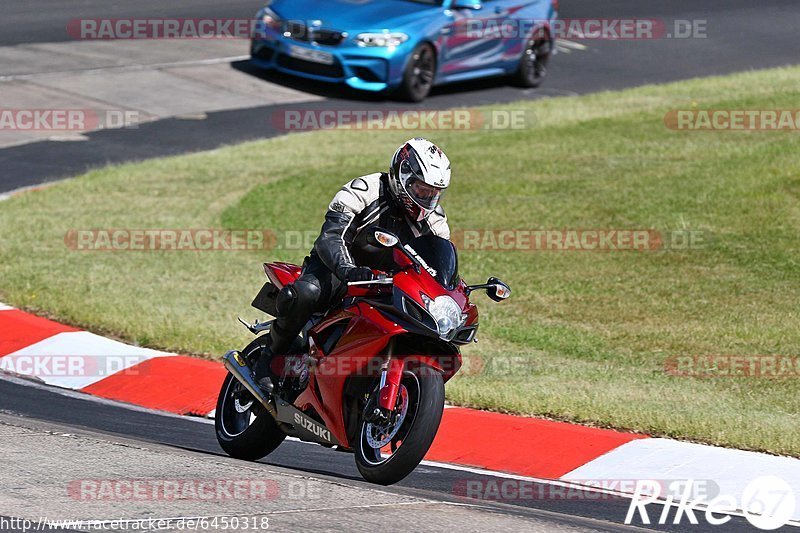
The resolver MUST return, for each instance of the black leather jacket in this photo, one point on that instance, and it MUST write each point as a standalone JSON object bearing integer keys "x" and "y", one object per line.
{"x": 364, "y": 203}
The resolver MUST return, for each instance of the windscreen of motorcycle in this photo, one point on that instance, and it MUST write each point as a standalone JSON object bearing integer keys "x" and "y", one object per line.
{"x": 438, "y": 256}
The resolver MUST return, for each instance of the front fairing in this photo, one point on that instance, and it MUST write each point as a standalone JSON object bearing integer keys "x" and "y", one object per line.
{"x": 438, "y": 257}
{"x": 437, "y": 276}
{"x": 416, "y": 283}
{"x": 409, "y": 297}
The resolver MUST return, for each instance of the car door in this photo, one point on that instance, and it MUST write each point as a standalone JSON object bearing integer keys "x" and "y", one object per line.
{"x": 472, "y": 39}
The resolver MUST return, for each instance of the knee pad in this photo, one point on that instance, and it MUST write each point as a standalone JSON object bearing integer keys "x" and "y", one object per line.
{"x": 307, "y": 295}
{"x": 299, "y": 297}
{"x": 284, "y": 300}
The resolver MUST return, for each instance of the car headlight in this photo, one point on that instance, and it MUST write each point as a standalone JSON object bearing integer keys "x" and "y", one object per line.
{"x": 446, "y": 312}
{"x": 270, "y": 19}
{"x": 383, "y": 40}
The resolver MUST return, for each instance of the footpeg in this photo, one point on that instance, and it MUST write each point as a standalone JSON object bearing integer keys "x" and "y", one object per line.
{"x": 257, "y": 327}
{"x": 266, "y": 385}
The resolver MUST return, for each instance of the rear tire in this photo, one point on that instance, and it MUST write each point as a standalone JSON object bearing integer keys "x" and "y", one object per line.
{"x": 532, "y": 69}
{"x": 419, "y": 74}
{"x": 245, "y": 430}
{"x": 425, "y": 403}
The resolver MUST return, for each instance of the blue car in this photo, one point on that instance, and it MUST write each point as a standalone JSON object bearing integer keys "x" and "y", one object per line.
{"x": 407, "y": 46}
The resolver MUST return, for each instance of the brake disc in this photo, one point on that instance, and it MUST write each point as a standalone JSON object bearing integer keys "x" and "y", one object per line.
{"x": 379, "y": 436}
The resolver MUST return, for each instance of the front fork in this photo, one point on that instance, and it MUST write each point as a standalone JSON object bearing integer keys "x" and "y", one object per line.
{"x": 390, "y": 378}
{"x": 391, "y": 375}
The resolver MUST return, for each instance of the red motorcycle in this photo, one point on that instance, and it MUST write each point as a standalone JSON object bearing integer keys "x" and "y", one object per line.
{"x": 368, "y": 375}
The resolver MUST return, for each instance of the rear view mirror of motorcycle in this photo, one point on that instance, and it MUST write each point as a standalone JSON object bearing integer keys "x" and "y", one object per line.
{"x": 382, "y": 238}
{"x": 495, "y": 289}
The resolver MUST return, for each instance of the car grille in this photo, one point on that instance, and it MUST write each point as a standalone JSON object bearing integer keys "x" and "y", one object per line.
{"x": 300, "y": 32}
{"x": 309, "y": 67}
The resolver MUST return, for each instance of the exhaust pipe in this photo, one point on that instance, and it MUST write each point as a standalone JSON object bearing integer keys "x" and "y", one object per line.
{"x": 237, "y": 366}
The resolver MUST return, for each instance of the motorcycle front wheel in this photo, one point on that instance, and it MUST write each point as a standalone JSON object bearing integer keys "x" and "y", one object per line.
{"x": 387, "y": 453}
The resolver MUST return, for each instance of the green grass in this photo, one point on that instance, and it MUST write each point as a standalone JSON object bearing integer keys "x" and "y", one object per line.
{"x": 584, "y": 337}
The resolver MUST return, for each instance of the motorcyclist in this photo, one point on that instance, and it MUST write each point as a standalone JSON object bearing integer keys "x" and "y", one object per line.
{"x": 405, "y": 201}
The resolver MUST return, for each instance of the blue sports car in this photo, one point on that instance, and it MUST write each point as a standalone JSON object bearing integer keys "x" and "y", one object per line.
{"x": 406, "y": 46}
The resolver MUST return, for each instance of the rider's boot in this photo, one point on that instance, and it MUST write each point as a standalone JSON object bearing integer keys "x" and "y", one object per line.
{"x": 279, "y": 342}
{"x": 261, "y": 370}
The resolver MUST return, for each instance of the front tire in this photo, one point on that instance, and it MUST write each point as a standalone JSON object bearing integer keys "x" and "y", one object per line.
{"x": 244, "y": 429}
{"x": 410, "y": 433}
{"x": 419, "y": 74}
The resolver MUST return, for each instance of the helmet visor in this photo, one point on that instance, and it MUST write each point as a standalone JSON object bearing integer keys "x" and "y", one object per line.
{"x": 426, "y": 196}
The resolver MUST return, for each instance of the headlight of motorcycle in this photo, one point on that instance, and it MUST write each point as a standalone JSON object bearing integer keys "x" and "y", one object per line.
{"x": 382, "y": 40}
{"x": 447, "y": 314}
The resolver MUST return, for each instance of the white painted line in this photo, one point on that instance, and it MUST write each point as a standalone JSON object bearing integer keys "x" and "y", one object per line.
{"x": 74, "y": 360}
{"x": 126, "y": 68}
{"x": 566, "y": 46}
{"x": 4, "y": 307}
{"x": 69, "y": 138}
{"x": 572, "y": 44}
{"x": 9, "y": 194}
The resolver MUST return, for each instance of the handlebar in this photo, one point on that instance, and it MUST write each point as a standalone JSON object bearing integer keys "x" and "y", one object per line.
{"x": 379, "y": 280}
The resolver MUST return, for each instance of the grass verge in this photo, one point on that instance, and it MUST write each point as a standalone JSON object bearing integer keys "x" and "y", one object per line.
{"x": 588, "y": 333}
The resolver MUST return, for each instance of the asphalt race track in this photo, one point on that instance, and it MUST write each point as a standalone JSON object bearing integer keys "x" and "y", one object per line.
{"x": 65, "y": 409}
{"x": 741, "y": 35}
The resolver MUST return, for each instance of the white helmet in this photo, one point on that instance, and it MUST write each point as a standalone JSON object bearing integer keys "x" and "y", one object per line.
{"x": 419, "y": 174}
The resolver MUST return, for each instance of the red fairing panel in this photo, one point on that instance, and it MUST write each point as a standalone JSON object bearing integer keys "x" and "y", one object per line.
{"x": 361, "y": 342}
{"x": 282, "y": 274}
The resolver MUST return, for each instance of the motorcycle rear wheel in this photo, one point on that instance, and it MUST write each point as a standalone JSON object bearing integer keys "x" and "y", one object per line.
{"x": 244, "y": 429}
{"x": 410, "y": 433}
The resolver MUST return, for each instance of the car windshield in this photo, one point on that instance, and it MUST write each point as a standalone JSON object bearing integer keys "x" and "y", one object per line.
{"x": 439, "y": 256}
{"x": 428, "y": 2}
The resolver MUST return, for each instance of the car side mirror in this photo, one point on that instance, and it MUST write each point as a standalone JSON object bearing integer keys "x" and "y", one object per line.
{"x": 497, "y": 290}
{"x": 382, "y": 238}
{"x": 466, "y": 4}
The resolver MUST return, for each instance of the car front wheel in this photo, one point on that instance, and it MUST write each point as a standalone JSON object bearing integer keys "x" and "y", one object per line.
{"x": 419, "y": 74}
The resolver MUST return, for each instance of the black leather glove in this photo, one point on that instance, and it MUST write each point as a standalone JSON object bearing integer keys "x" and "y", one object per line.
{"x": 359, "y": 274}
